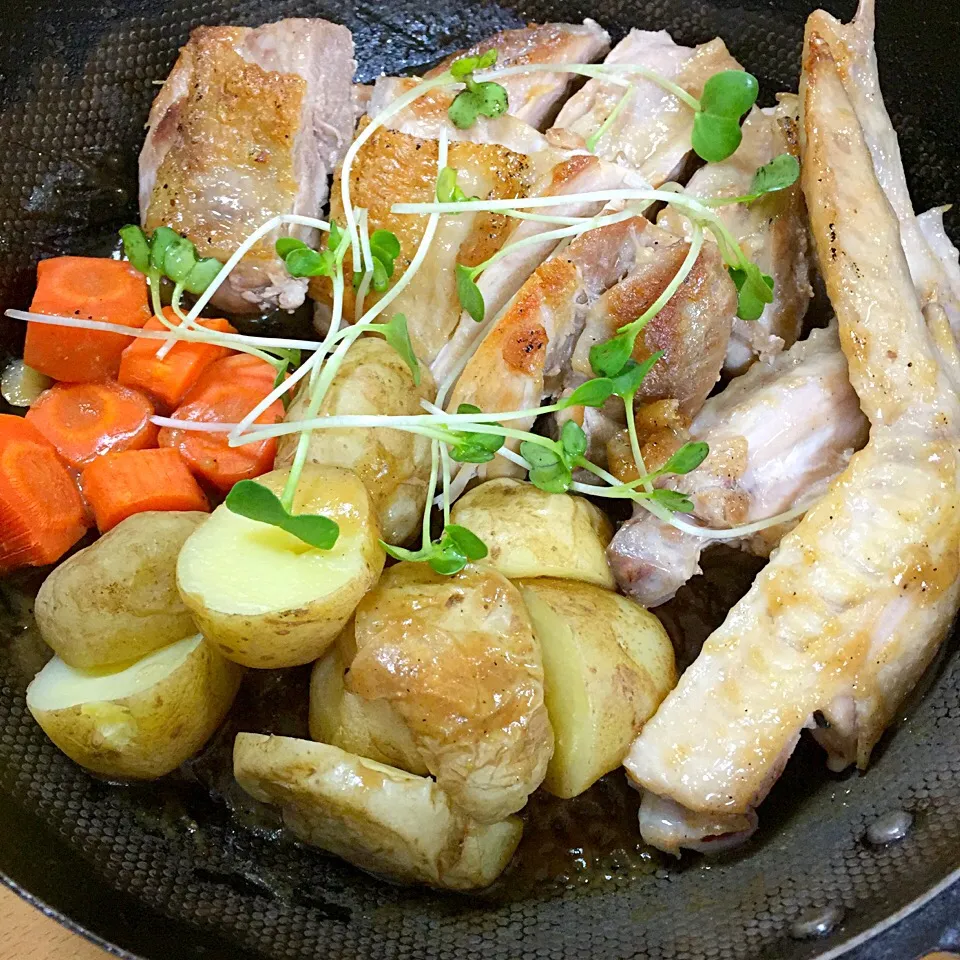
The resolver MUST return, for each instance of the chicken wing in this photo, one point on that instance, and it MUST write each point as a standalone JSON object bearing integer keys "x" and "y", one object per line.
{"x": 652, "y": 133}
{"x": 772, "y": 231}
{"x": 249, "y": 124}
{"x": 858, "y": 597}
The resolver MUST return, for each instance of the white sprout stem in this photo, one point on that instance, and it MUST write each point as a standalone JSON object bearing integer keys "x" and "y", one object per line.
{"x": 367, "y": 277}
{"x": 398, "y": 106}
{"x": 609, "y": 71}
{"x": 445, "y": 464}
{"x": 635, "y": 442}
{"x": 237, "y": 256}
{"x": 595, "y": 137}
{"x": 175, "y": 333}
{"x": 431, "y": 490}
{"x": 545, "y": 217}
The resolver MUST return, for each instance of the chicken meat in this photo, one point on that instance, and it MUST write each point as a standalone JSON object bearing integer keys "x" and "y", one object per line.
{"x": 857, "y": 598}
{"x": 248, "y": 125}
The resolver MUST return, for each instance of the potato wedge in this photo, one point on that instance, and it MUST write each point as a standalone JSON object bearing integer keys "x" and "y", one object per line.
{"x": 373, "y": 380}
{"x": 457, "y": 660}
{"x": 607, "y": 664}
{"x": 116, "y": 600}
{"x": 532, "y": 533}
{"x": 267, "y": 599}
{"x": 368, "y": 728}
{"x": 378, "y": 818}
{"x": 139, "y": 722}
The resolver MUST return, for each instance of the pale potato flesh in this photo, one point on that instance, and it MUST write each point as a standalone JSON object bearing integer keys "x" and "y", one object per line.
{"x": 532, "y": 533}
{"x": 373, "y": 380}
{"x": 607, "y": 663}
{"x": 377, "y": 817}
{"x": 117, "y": 600}
{"x": 456, "y": 658}
{"x": 140, "y": 722}
{"x": 266, "y": 598}
{"x": 368, "y": 728}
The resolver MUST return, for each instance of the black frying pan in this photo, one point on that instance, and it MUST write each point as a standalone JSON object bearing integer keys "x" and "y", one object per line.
{"x": 188, "y": 868}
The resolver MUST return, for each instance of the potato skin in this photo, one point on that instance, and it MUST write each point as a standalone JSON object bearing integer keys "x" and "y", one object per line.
{"x": 367, "y": 728}
{"x": 532, "y": 533}
{"x": 149, "y": 734}
{"x": 373, "y": 380}
{"x": 608, "y": 663}
{"x": 457, "y": 660}
{"x": 379, "y": 818}
{"x": 285, "y": 636}
{"x": 117, "y": 599}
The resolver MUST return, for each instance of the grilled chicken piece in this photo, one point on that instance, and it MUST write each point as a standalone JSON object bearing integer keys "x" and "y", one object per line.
{"x": 393, "y": 167}
{"x": 533, "y": 98}
{"x": 778, "y": 436}
{"x": 772, "y": 232}
{"x": 527, "y": 349}
{"x": 249, "y": 124}
{"x": 856, "y": 600}
{"x": 931, "y": 256}
{"x": 692, "y": 329}
{"x": 577, "y": 174}
{"x": 652, "y": 133}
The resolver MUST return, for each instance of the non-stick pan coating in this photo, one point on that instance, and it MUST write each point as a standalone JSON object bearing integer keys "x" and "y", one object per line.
{"x": 168, "y": 872}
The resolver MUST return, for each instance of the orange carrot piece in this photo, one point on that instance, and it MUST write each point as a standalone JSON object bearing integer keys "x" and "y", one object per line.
{"x": 119, "y": 485}
{"x": 85, "y": 420}
{"x": 41, "y": 511}
{"x": 228, "y": 390}
{"x": 93, "y": 288}
{"x": 169, "y": 379}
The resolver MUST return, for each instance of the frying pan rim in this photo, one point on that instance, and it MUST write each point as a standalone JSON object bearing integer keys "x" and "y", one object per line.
{"x": 881, "y": 926}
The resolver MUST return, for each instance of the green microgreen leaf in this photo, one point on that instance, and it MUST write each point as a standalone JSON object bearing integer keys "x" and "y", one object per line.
{"x": 480, "y": 98}
{"x": 204, "y": 272}
{"x": 385, "y": 246}
{"x": 593, "y": 393}
{"x": 548, "y": 471}
{"x": 136, "y": 247}
{"x": 254, "y": 501}
{"x": 609, "y": 358}
{"x": 466, "y": 541}
{"x": 180, "y": 258}
{"x": 628, "y": 381}
{"x": 754, "y": 290}
{"x": 162, "y": 238}
{"x": 468, "y": 293}
{"x": 398, "y": 336}
{"x": 304, "y": 262}
{"x": 573, "y": 441}
{"x": 286, "y": 245}
{"x": 448, "y": 190}
{"x": 673, "y": 500}
{"x": 781, "y": 172}
{"x": 715, "y": 138}
{"x": 334, "y": 237}
{"x": 456, "y": 547}
{"x": 469, "y": 447}
{"x": 730, "y": 93}
{"x": 686, "y": 459}
{"x": 381, "y": 278}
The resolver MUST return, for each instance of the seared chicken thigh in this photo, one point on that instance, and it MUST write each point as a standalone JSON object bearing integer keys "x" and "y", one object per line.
{"x": 652, "y": 133}
{"x": 857, "y": 598}
{"x": 778, "y": 435}
{"x": 248, "y": 125}
{"x": 771, "y": 231}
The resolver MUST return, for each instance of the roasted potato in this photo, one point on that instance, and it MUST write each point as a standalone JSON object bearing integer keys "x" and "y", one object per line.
{"x": 607, "y": 664}
{"x": 368, "y": 728}
{"x": 532, "y": 533}
{"x": 373, "y": 380}
{"x": 139, "y": 722}
{"x": 379, "y": 818}
{"x": 267, "y": 599}
{"x": 117, "y": 600}
{"x": 457, "y": 660}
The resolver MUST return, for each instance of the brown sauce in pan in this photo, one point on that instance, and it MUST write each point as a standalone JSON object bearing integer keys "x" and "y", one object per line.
{"x": 584, "y": 843}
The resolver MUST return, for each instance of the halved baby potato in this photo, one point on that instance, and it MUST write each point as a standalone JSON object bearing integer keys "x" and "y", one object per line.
{"x": 266, "y": 598}
{"x": 140, "y": 722}
{"x": 607, "y": 664}
{"x": 378, "y": 818}
{"x": 532, "y": 533}
{"x": 368, "y": 728}
{"x": 117, "y": 600}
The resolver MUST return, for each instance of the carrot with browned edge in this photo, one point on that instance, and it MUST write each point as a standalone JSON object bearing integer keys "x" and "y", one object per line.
{"x": 92, "y": 288}
{"x": 118, "y": 485}
{"x": 228, "y": 390}
{"x": 167, "y": 380}
{"x": 85, "y": 420}
{"x": 41, "y": 512}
